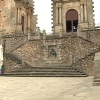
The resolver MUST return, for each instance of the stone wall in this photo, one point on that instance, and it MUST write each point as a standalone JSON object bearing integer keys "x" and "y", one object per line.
{"x": 13, "y": 41}
{"x": 86, "y": 64}
{"x": 92, "y": 35}
{"x": 10, "y": 65}
{"x": 70, "y": 52}
{"x": 31, "y": 52}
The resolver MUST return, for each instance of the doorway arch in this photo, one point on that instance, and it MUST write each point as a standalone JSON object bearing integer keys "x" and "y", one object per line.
{"x": 71, "y": 20}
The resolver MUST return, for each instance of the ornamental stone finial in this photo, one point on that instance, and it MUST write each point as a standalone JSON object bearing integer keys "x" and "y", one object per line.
{"x": 38, "y": 30}
{"x": 44, "y": 34}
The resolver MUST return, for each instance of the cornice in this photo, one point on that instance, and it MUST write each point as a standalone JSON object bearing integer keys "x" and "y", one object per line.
{"x": 24, "y": 3}
{"x": 65, "y": 1}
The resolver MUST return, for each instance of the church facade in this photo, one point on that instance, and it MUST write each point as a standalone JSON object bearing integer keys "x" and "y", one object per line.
{"x": 17, "y": 16}
{"x": 70, "y": 15}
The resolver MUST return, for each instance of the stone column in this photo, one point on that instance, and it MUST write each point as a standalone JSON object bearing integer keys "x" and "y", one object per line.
{"x": 18, "y": 16}
{"x": 82, "y": 13}
{"x": 85, "y": 12}
{"x": 60, "y": 14}
{"x": 79, "y": 18}
{"x": 38, "y": 32}
{"x": 29, "y": 20}
{"x": 57, "y": 14}
{"x": 79, "y": 21}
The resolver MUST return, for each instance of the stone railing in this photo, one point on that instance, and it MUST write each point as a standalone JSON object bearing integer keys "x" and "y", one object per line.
{"x": 95, "y": 47}
{"x": 85, "y": 53}
{"x": 17, "y": 44}
{"x": 13, "y": 41}
{"x": 92, "y": 35}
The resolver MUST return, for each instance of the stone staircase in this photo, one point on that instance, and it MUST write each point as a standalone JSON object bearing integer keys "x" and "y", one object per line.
{"x": 67, "y": 71}
{"x": 54, "y": 71}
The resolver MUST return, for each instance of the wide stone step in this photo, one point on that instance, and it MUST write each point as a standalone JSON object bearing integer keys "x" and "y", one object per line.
{"x": 46, "y": 70}
{"x": 9, "y": 75}
{"x": 47, "y": 67}
{"x": 47, "y": 73}
{"x": 67, "y": 71}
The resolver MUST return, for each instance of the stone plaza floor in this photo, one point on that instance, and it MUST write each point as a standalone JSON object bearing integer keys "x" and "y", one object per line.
{"x": 48, "y": 88}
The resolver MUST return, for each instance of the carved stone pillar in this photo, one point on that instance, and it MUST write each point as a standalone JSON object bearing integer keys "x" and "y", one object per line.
{"x": 79, "y": 19}
{"x": 18, "y": 26}
{"x": 18, "y": 15}
{"x": 85, "y": 12}
{"x": 29, "y": 19}
{"x": 56, "y": 14}
{"x": 82, "y": 13}
{"x": 60, "y": 15}
{"x": 44, "y": 34}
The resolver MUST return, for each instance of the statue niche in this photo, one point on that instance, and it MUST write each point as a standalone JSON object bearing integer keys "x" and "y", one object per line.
{"x": 53, "y": 53}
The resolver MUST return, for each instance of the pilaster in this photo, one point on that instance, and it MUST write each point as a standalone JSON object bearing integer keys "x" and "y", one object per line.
{"x": 85, "y": 12}
{"x": 81, "y": 13}
{"x": 57, "y": 14}
{"x": 60, "y": 13}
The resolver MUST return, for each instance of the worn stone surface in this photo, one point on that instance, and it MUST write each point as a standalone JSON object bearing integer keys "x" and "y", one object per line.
{"x": 92, "y": 35}
{"x": 31, "y": 52}
{"x": 31, "y": 88}
{"x": 10, "y": 65}
{"x": 86, "y": 64}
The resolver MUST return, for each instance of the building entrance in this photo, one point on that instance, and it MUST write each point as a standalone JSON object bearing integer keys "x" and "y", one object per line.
{"x": 71, "y": 21}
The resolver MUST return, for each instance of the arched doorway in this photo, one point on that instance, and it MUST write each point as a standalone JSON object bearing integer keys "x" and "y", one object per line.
{"x": 71, "y": 21}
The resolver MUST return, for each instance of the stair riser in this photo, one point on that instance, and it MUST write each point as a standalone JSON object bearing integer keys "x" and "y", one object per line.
{"x": 46, "y": 75}
{"x": 71, "y": 69}
{"x": 46, "y": 71}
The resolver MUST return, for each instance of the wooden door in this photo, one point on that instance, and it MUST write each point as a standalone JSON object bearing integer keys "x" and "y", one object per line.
{"x": 71, "y": 20}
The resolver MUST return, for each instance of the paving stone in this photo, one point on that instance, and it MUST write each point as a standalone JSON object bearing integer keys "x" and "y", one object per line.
{"x": 42, "y": 88}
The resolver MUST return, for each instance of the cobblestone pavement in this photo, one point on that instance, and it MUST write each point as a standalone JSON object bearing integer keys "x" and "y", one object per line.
{"x": 48, "y": 88}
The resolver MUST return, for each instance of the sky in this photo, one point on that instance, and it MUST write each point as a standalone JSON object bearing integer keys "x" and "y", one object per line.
{"x": 43, "y": 10}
